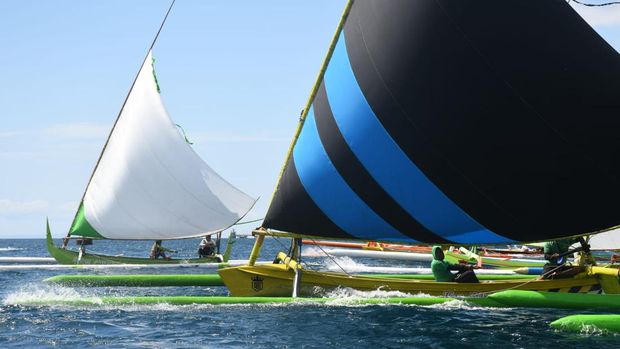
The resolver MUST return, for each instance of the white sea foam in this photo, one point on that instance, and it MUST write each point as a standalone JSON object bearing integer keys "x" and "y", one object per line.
{"x": 347, "y": 292}
{"x": 591, "y": 330}
{"x": 346, "y": 263}
{"x": 458, "y": 304}
{"x": 9, "y": 248}
{"x": 312, "y": 251}
{"x": 45, "y": 295}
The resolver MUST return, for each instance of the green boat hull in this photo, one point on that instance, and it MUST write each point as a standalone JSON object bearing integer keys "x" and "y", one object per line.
{"x": 68, "y": 257}
{"x": 518, "y": 298}
{"x": 172, "y": 280}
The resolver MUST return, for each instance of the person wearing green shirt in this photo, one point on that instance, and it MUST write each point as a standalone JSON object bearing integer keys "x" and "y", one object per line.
{"x": 556, "y": 253}
{"x": 441, "y": 269}
{"x": 554, "y": 249}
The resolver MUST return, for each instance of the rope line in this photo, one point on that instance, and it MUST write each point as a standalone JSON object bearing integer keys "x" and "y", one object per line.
{"x": 595, "y": 5}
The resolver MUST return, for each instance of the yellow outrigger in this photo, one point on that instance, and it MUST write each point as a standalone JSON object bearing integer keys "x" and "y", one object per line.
{"x": 287, "y": 277}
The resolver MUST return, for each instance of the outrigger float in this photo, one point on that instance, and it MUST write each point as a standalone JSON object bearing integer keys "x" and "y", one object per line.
{"x": 589, "y": 323}
{"x": 503, "y": 299}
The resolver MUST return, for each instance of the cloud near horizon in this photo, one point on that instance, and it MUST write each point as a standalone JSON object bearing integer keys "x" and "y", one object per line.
{"x": 219, "y": 137}
{"x": 79, "y": 130}
{"x": 598, "y": 16}
{"x": 12, "y": 208}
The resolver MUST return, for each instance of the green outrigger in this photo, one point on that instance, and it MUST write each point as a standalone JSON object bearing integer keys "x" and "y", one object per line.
{"x": 65, "y": 256}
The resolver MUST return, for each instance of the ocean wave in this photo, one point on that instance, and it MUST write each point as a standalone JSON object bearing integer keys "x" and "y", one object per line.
{"x": 9, "y": 249}
{"x": 47, "y": 295}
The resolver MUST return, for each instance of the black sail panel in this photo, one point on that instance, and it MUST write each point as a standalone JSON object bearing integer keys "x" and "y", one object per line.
{"x": 463, "y": 121}
{"x": 296, "y": 212}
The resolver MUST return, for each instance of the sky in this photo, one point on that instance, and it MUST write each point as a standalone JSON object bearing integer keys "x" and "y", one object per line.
{"x": 234, "y": 73}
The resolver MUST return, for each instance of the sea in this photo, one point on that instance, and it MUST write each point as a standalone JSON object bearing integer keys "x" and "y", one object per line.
{"x": 339, "y": 324}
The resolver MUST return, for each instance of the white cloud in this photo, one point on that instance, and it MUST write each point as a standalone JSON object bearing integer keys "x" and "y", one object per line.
{"x": 10, "y": 207}
{"x": 599, "y": 16}
{"x": 81, "y": 130}
{"x": 8, "y": 134}
{"x": 207, "y": 137}
{"x": 69, "y": 206}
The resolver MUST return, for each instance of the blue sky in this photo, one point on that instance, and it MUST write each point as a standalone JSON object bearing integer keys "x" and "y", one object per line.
{"x": 234, "y": 73}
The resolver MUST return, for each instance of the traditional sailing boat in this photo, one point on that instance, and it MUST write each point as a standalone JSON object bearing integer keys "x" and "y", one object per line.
{"x": 149, "y": 184}
{"x": 450, "y": 122}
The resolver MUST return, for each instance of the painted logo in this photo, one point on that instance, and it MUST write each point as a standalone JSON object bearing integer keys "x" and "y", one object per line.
{"x": 257, "y": 283}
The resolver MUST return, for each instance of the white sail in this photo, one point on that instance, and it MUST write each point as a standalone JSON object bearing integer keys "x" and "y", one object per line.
{"x": 150, "y": 184}
{"x": 609, "y": 240}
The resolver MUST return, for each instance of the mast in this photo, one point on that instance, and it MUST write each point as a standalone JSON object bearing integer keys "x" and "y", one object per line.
{"x": 117, "y": 119}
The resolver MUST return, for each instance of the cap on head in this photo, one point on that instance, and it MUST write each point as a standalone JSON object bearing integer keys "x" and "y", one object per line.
{"x": 438, "y": 253}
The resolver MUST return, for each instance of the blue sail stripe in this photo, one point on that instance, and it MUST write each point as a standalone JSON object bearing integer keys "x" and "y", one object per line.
{"x": 332, "y": 194}
{"x": 388, "y": 164}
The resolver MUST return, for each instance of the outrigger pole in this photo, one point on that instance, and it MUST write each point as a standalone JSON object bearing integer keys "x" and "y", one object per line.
{"x": 161, "y": 26}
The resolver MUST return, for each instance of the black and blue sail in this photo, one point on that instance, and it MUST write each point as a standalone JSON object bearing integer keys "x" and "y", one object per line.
{"x": 473, "y": 122}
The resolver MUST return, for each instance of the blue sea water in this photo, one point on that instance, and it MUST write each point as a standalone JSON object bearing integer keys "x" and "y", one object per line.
{"x": 340, "y": 325}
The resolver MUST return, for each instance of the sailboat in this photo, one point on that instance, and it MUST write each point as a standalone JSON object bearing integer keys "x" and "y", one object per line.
{"x": 149, "y": 184}
{"x": 450, "y": 122}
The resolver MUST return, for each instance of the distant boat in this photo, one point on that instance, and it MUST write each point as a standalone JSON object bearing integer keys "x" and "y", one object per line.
{"x": 149, "y": 184}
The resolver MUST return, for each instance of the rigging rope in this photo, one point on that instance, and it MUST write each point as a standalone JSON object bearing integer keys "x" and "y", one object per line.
{"x": 595, "y": 5}
{"x": 331, "y": 257}
{"x": 542, "y": 277}
{"x": 248, "y": 222}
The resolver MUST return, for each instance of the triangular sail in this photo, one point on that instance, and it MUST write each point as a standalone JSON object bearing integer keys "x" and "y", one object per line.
{"x": 609, "y": 240}
{"x": 149, "y": 183}
{"x": 470, "y": 122}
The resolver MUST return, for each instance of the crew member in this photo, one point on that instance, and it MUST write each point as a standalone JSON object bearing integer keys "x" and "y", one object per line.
{"x": 441, "y": 269}
{"x": 207, "y": 247}
{"x": 556, "y": 253}
{"x": 157, "y": 251}
{"x": 555, "y": 250}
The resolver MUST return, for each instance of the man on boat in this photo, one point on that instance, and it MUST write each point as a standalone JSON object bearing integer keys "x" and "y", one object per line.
{"x": 556, "y": 253}
{"x": 158, "y": 251}
{"x": 207, "y": 247}
{"x": 441, "y": 269}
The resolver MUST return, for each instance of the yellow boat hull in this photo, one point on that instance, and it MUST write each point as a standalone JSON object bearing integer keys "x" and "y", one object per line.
{"x": 276, "y": 280}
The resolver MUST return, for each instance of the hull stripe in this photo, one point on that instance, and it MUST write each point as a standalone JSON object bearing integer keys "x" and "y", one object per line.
{"x": 575, "y": 289}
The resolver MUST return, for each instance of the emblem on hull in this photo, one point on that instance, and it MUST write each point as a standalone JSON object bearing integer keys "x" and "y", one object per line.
{"x": 257, "y": 283}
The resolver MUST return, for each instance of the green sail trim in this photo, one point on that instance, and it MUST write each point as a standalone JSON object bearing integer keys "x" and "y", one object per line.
{"x": 154, "y": 75}
{"x": 184, "y": 135}
{"x": 81, "y": 227}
